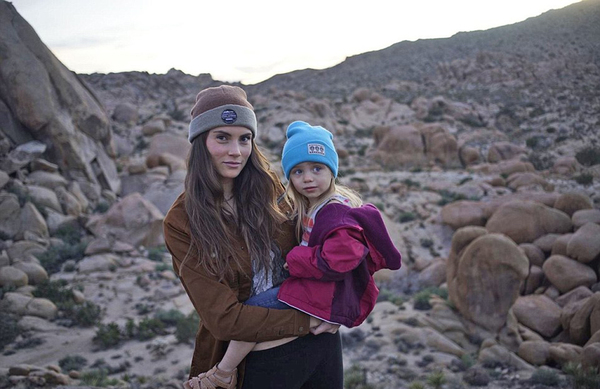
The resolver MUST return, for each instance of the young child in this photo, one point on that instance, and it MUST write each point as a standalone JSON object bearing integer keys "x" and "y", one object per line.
{"x": 343, "y": 242}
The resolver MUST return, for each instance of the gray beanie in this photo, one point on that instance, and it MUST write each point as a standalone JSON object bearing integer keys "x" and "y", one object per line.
{"x": 219, "y": 106}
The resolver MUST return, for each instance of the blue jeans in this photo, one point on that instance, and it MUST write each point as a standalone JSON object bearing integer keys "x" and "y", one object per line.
{"x": 267, "y": 299}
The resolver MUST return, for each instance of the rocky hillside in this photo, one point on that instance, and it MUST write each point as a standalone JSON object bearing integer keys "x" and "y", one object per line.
{"x": 481, "y": 151}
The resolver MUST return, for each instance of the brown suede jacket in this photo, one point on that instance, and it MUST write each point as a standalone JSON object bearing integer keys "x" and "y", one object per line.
{"x": 223, "y": 317}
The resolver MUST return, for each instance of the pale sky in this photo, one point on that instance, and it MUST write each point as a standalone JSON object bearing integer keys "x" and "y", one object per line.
{"x": 250, "y": 41}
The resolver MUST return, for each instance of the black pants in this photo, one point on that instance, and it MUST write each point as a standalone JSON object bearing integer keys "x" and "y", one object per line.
{"x": 309, "y": 362}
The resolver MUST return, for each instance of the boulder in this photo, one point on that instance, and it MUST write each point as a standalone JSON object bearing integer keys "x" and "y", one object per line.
{"x": 502, "y": 151}
{"x": 46, "y": 179}
{"x": 528, "y": 180}
{"x": 23, "y": 249}
{"x": 577, "y": 294}
{"x": 44, "y": 197}
{"x": 586, "y": 320}
{"x": 497, "y": 355}
{"x": 4, "y": 178}
{"x": 590, "y": 356}
{"x": 485, "y": 279}
{"x": 566, "y": 166}
{"x": 33, "y": 222}
{"x": 133, "y": 220}
{"x": 559, "y": 247}
{"x": 535, "y": 352}
{"x": 69, "y": 202}
{"x": 585, "y": 216}
{"x": 433, "y": 275}
{"x": 10, "y": 276}
{"x": 533, "y": 281}
{"x": 125, "y": 113}
{"x": 23, "y": 305}
{"x": 35, "y": 272}
{"x": 563, "y": 353}
{"x": 153, "y": 127}
{"x": 535, "y": 255}
{"x": 440, "y": 146}
{"x": 584, "y": 245}
{"x": 525, "y": 221}
{"x": 97, "y": 263}
{"x": 539, "y": 313}
{"x": 469, "y": 156}
{"x": 570, "y": 203}
{"x": 545, "y": 242}
{"x": 567, "y": 274}
{"x": 463, "y": 213}
{"x": 399, "y": 146}
{"x": 10, "y": 215}
{"x": 50, "y": 103}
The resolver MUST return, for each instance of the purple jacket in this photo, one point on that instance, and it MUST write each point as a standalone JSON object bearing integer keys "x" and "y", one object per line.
{"x": 332, "y": 277}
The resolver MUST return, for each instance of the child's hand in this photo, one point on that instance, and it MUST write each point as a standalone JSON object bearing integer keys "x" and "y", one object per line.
{"x": 325, "y": 327}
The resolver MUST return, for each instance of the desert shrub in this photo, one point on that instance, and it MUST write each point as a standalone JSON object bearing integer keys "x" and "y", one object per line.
{"x": 436, "y": 379}
{"x": 410, "y": 183}
{"x": 160, "y": 267}
{"x": 170, "y": 317}
{"x": 540, "y": 160}
{"x": 356, "y": 378}
{"x": 53, "y": 258}
{"x": 546, "y": 377}
{"x": 108, "y": 335}
{"x": 421, "y": 299}
{"x": 465, "y": 180}
{"x": 101, "y": 207}
{"x": 588, "y": 156}
{"x": 405, "y": 217}
{"x": 582, "y": 378}
{"x": 156, "y": 253}
{"x": 85, "y": 315}
{"x": 97, "y": 377}
{"x": 467, "y": 360}
{"x": 149, "y": 328}
{"x": 72, "y": 362}
{"x": 584, "y": 179}
{"x": 69, "y": 234}
{"x": 449, "y": 197}
{"x": 416, "y": 385}
{"x": 9, "y": 329}
{"x": 426, "y": 243}
{"x": 387, "y": 295}
{"x": 186, "y": 328}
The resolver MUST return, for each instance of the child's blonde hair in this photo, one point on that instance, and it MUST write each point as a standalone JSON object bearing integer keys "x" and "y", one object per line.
{"x": 300, "y": 206}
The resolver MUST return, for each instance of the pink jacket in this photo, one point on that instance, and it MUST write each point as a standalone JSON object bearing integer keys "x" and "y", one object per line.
{"x": 332, "y": 277}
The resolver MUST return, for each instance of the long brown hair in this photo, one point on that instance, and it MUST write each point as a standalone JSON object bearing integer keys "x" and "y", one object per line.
{"x": 213, "y": 230}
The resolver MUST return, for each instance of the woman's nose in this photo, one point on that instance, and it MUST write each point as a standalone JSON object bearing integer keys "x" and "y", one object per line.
{"x": 234, "y": 149}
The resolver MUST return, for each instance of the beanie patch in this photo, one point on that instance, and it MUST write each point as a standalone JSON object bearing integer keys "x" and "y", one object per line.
{"x": 315, "y": 148}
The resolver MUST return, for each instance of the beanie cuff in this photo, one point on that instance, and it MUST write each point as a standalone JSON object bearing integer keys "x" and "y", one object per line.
{"x": 224, "y": 115}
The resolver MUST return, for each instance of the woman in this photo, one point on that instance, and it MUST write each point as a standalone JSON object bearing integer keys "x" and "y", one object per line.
{"x": 223, "y": 232}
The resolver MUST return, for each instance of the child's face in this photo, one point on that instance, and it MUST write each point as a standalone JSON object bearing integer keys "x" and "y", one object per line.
{"x": 311, "y": 179}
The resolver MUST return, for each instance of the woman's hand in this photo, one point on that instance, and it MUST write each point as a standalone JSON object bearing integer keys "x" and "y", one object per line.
{"x": 285, "y": 266}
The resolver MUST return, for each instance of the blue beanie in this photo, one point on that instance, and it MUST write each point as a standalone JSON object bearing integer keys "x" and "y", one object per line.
{"x": 306, "y": 143}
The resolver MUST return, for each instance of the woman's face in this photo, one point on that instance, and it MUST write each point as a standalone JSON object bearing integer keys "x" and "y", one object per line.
{"x": 229, "y": 148}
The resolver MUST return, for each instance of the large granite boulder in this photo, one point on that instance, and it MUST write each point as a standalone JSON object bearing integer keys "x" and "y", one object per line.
{"x": 525, "y": 221}
{"x": 43, "y": 100}
{"x": 484, "y": 276}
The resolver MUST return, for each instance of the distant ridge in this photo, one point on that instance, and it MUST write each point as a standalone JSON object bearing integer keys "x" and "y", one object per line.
{"x": 572, "y": 32}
